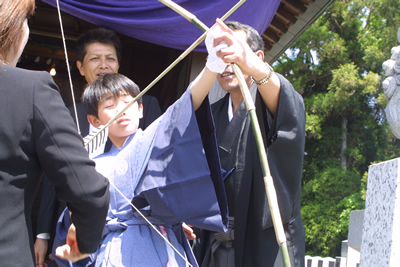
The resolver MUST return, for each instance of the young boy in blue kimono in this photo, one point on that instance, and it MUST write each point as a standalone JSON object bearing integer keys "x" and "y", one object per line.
{"x": 165, "y": 169}
{"x": 170, "y": 151}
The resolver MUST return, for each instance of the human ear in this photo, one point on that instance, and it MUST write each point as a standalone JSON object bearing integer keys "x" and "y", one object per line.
{"x": 79, "y": 66}
{"x": 93, "y": 121}
{"x": 140, "y": 111}
{"x": 260, "y": 54}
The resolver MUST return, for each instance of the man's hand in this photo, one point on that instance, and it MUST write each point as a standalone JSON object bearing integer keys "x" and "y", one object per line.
{"x": 238, "y": 50}
{"x": 188, "y": 232}
{"x": 40, "y": 247}
{"x": 70, "y": 251}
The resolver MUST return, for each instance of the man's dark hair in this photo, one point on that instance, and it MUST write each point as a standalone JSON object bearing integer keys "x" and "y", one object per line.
{"x": 254, "y": 39}
{"x": 111, "y": 83}
{"x": 97, "y": 35}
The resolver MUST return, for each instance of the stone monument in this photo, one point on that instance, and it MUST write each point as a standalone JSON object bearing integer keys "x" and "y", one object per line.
{"x": 391, "y": 86}
{"x": 380, "y": 244}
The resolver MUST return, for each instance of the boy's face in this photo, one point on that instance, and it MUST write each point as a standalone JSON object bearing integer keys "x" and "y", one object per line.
{"x": 124, "y": 126}
{"x": 99, "y": 59}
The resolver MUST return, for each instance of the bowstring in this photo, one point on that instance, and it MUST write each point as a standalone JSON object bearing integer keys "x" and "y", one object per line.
{"x": 77, "y": 123}
{"x": 68, "y": 68}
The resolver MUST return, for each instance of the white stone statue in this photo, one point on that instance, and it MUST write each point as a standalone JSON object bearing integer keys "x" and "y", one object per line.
{"x": 391, "y": 86}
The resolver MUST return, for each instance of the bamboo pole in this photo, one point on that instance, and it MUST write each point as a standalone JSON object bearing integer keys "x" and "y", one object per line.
{"x": 268, "y": 181}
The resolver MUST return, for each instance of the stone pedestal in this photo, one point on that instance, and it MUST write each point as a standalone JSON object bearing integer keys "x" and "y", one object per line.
{"x": 380, "y": 245}
{"x": 354, "y": 238}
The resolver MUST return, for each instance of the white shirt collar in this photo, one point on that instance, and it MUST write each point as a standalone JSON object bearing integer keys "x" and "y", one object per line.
{"x": 230, "y": 111}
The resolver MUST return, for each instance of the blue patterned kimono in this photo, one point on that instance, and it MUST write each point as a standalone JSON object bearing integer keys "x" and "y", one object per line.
{"x": 172, "y": 173}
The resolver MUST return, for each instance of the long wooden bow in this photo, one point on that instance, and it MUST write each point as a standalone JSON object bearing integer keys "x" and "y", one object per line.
{"x": 268, "y": 181}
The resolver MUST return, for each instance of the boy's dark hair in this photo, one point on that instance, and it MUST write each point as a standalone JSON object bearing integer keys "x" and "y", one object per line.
{"x": 111, "y": 83}
{"x": 254, "y": 39}
{"x": 97, "y": 35}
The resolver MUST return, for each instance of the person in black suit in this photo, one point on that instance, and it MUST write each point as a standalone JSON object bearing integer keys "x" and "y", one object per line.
{"x": 38, "y": 136}
{"x": 98, "y": 52}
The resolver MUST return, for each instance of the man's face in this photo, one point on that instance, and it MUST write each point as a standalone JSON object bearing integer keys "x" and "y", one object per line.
{"x": 99, "y": 59}
{"x": 227, "y": 79}
{"x": 125, "y": 125}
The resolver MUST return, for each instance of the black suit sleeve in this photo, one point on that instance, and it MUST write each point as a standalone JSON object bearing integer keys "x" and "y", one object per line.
{"x": 47, "y": 208}
{"x": 61, "y": 154}
{"x": 50, "y": 208}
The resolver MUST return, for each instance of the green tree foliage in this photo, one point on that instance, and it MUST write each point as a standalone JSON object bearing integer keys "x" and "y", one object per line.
{"x": 337, "y": 66}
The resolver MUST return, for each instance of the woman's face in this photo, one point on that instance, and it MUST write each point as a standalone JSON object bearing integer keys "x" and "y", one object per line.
{"x": 13, "y": 57}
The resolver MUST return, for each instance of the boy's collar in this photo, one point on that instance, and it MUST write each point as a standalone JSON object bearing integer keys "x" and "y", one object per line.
{"x": 127, "y": 141}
